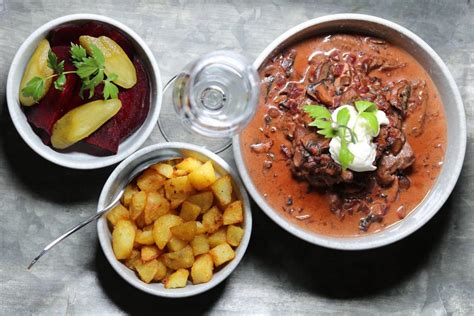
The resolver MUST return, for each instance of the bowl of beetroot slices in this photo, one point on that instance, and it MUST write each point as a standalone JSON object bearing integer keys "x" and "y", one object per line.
{"x": 84, "y": 91}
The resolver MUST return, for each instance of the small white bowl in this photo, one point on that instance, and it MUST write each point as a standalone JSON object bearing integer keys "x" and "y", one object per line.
{"x": 78, "y": 160}
{"x": 454, "y": 110}
{"x": 120, "y": 177}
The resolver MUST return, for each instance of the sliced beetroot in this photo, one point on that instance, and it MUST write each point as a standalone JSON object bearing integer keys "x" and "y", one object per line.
{"x": 135, "y": 107}
{"x": 55, "y": 103}
{"x": 65, "y": 34}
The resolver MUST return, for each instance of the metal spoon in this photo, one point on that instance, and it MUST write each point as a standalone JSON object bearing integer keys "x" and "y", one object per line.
{"x": 116, "y": 200}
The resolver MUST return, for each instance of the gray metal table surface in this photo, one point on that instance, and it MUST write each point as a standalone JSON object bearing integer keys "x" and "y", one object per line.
{"x": 431, "y": 272}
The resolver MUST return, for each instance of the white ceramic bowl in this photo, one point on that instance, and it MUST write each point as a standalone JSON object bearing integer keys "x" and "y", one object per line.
{"x": 120, "y": 177}
{"x": 78, "y": 160}
{"x": 456, "y": 123}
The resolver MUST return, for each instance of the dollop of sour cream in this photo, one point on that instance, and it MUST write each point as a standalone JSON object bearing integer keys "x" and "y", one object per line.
{"x": 364, "y": 150}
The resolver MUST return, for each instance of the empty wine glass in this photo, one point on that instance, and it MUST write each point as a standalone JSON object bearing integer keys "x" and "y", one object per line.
{"x": 213, "y": 98}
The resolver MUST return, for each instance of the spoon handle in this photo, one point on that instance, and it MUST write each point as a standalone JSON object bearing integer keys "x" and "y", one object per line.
{"x": 74, "y": 229}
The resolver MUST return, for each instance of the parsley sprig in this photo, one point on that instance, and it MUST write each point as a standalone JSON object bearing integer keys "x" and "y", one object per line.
{"x": 330, "y": 129}
{"x": 91, "y": 70}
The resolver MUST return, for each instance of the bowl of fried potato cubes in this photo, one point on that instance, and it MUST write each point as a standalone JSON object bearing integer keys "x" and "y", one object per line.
{"x": 183, "y": 223}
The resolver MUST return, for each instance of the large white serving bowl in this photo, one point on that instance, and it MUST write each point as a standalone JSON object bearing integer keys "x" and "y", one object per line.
{"x": 79, "y": 160}
{"x": 455, "y": 116}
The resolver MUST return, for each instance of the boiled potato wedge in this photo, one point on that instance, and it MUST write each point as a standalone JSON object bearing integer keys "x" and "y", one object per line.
{"x": 117, "y": 213}
{"x": 201, "y": 271}
{"x": 123, "y": 237}
{"x": 203, "y": 176}
{"x": 222, "y": 189}
{"x": 161, "y": 229}
{"x": 177, "y": 279}
{"x": 221, "y": 254}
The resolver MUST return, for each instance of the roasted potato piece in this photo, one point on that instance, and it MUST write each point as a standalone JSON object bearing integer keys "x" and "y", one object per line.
{"x": 203, "y": 199}
{"x": 150, "y": 181}
{"x": 233, "y": 213}
{"x": 150, "y": 252}
{"x": 123, "y": 237}
{"x": 147, "y": 270}
{"x": 222, "y": 189}
{"x": 161, "y": 229}
{"x": 180, "y": 173}
{"x": 176, "y": 244}
{"x": 234, "y": 235}
{"x": 178, "y": 188}
{"x": 140, "y": 221}
{"x": 200, "y": 229}
{"x": 203, "y": 176}
{"x": 177, "y": 279}
{"x": 189, "y": 211}
{"x": 161, "y": 272}
{"x": 144, "y": 237}
{"x": 137, "y": 205}
{"x": 221, "y": 254}
{"x": 133, "y": 259}
{"x": 201, "y": 271}
{"x": 156, "y": 206}
{"x": 164, "y": 169}
{"x": 185, "y": 231}
{"x": 117, "y": 213}
{"x": 183, "y": 258}
{"x": 212, "y": 220}
{"x": 200, "y": 245}
{"x": 217, "y": 238}
{"x": 189, "y": 164}
{"x": 130, "y": 190}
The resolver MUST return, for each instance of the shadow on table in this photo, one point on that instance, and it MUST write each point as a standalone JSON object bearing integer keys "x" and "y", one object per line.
{"x": 133, "y": 301}
{"x": 343, "y": 274}
{"x": 39, "y": 177}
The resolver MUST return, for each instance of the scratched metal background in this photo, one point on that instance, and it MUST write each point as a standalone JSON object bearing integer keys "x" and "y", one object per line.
{"x": 430, "y": 272}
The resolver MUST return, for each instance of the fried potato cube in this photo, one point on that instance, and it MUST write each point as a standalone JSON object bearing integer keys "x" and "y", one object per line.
{"x": 161, "y": 271}
{"x": 180, "y": 173}
{"x": 144, "y": 237}
{"x": 177, "y": 279}
{"x": 233, "y": 213}
{"x": 234, "y": 235}
{"x": 133, "y": 259}
{"x": 189, "y": 164}
{"x": 200, "y": 229}
{"x": 183, "y": 258}
{"x": 117, "y": 213}
{"x": 189, "y": 211}
{"x": 148, "y": 253}
{"x": 200, "y": 245}
{"x": 222, "y": 189}
{"x": 164, "y": 169}
{"x": 178, "y": 188}
{"x": 219, "y": 237}
{"x": 156, "y": 206}
{"x": 140, "y": 221}
{"x": 203, "y": 176}
{"x": 150, "y": 180}
{"x": 137, "y": 205}
{"x": 123, "y": 237}
{"x": 161, "y": 229}
{"x": 176, "y": 244}
{"x": 185, "y": 231}
{"x": 221, "y": 254}
{"x": 203, "y": 199}
{"x": 212, "y": 220}
{"x": 128, "y": 193}
{"x": 147, "y": 270}
{"x": 201, "y": 271}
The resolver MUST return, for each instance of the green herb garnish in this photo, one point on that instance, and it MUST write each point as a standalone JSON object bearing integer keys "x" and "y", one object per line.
{"x": 89, "y": 69}
{"x": 329, "y": 129}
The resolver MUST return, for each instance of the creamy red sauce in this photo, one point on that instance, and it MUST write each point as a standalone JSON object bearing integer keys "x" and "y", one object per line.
{"x": 310, "y": 208}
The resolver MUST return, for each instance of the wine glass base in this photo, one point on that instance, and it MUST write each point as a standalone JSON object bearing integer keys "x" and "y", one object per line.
{"x": 172, "y": 129}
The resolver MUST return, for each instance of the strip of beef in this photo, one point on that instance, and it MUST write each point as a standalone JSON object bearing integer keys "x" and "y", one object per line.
{"x": 390, "y": 164}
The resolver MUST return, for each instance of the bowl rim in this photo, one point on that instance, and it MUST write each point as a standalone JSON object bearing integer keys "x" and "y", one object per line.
{"x": 57, "y": 157}
{"x": 358, "y": 242}
{"x": 189, "y": 290}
